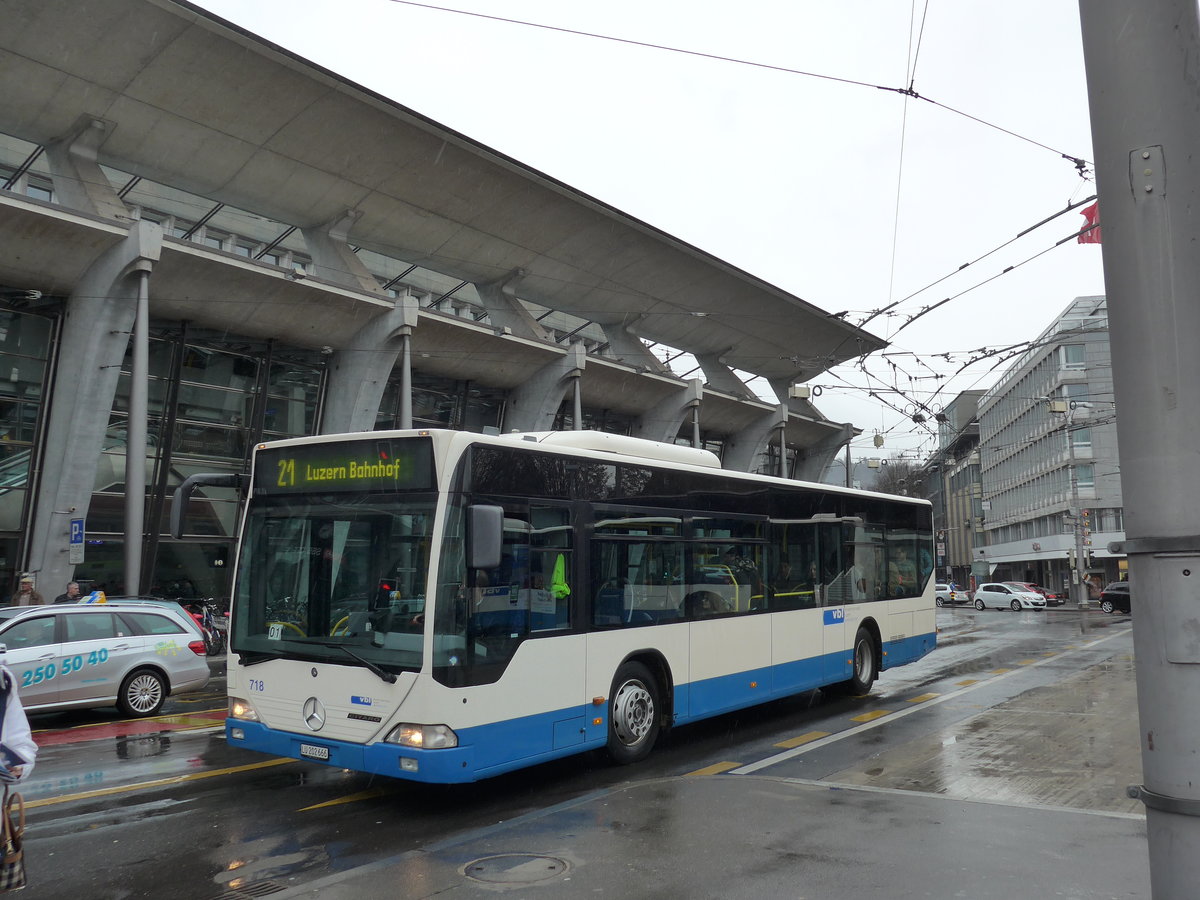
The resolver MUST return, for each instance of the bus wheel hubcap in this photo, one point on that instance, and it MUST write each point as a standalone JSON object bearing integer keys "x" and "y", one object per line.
{"x": 633, "y": 712}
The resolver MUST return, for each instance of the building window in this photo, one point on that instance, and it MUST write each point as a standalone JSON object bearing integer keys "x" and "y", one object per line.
{"x": 1071, "y": 356}
{"x": 1085, "y": 476}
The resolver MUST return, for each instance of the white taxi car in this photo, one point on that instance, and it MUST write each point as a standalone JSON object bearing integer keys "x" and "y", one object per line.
{"x": 69, "y": 656}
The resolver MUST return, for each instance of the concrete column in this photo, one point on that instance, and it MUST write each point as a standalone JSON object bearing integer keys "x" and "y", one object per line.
{"x": 79, "y": 182}
{"x": 97, "y": 324}
{"x": 813, "y": 460}
{"x": 533, "y": 405}
{"x": 663, "y": 421}
{"x": 743, "y": 451}
{"x": 629, "y": 349}
{"x": 332, "y": 258}
{"x": 359, "y": 371}
{"x": 506, "y": 312}
{"x": 720, "y": 377}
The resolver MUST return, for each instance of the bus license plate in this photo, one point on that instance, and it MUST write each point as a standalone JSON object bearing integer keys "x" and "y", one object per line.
{"x": 312, "y": 751}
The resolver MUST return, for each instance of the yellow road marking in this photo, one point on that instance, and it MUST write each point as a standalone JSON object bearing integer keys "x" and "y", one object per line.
{"x": 715, "y": 768}
{"x": 871, "y": 716}
{"x": 923, "y": 698}
{"x": 1000, "y": 671}
{"x": 185, "y": 718}
{"x": 967, "y": 682}
{"x": 158, "y": 782}
{"x": 802, "y": 739}
{"x": 1026, "y": 662}
{"x": 1050, "y": 653}
{"x": 367, "y": 795}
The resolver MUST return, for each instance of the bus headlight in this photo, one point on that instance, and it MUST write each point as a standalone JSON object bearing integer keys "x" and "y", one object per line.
{"x": 240, "y": 709}
{"x": 422, "y": 737}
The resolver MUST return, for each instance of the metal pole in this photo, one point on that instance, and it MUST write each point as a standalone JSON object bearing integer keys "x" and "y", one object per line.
{"x": 406, "y": 379}
{"x": 135, "y": 439}
{"x": 847, "y": 464}
{"x": 1144, "y": 93}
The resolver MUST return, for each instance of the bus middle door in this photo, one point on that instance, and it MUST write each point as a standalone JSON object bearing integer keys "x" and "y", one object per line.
{"x": 832, "y": 597}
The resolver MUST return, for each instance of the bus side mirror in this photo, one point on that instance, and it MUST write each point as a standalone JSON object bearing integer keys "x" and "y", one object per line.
{"x": 485, "y": 536}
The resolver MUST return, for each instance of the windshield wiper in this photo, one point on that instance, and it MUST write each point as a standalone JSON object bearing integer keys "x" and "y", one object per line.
{"x": 386, "y": 676}
{"x": 250, "y": 658}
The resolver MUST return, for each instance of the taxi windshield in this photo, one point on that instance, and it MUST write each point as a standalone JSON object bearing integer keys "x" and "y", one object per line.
{"x": 336, "y": 578}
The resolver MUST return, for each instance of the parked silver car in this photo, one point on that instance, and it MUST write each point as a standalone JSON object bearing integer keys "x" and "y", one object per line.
{"x": 69, "y": 656}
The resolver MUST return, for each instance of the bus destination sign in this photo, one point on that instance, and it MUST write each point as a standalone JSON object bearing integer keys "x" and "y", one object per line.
{"x": 403, "y": 464}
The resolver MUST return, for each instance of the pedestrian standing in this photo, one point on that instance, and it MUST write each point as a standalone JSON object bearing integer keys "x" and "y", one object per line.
{"x": 26, "y": 595}
{"x": 71, "y": 595}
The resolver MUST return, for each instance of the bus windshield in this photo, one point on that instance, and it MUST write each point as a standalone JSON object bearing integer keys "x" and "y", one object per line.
{"x": 337, "y": 578}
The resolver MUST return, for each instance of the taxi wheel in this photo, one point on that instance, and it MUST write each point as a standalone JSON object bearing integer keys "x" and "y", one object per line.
{"x": 143, "y": 693}
{"x": 1016, "y": 606}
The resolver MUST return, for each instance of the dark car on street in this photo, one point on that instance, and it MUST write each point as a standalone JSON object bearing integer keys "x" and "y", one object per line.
{"x": 1116, "y": 598}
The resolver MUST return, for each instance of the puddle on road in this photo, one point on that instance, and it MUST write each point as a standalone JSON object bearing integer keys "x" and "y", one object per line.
{"x": 1072, "y": 744}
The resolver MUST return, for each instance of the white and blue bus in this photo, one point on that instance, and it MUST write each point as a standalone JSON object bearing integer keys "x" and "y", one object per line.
{"x": 445, "y": 606}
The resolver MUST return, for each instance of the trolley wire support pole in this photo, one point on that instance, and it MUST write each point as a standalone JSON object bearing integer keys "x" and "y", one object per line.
{"x": 1143, "y": 79}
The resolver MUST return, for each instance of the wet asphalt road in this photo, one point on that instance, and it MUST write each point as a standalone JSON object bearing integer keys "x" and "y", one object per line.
{"x": 166, "y": 809}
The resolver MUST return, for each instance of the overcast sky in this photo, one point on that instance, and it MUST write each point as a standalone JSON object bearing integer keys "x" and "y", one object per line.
{"x": 841, "y": 193}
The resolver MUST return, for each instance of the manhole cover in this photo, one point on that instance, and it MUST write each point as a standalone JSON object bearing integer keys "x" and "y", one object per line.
{"x": 515, "y": 868}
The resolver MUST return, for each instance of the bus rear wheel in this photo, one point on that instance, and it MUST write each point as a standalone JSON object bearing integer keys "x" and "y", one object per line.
{"x": 866, "y": 663}
{"x": 633, "y": 714}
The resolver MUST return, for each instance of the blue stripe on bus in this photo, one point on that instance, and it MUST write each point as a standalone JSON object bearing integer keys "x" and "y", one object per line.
{"x": 498, "y": 747}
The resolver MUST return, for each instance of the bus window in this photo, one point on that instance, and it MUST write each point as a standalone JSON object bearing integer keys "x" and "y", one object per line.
{"x": 637, "y": 582}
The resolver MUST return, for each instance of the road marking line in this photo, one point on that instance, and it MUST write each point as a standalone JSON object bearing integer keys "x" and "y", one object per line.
{"x": 967, "y": 682}
{"x": 158, "y": 782}
{"x": 714, "y": 769}
{"x": 871, "y": 716}
{"x": 1001, "y": 671}
{"x": 802, "y": 739}
{"x": 865, "y": 726}
{"x": 1026, "y": 662}
{"x": 922, "y": 698}
{"x": 367, "y": 795}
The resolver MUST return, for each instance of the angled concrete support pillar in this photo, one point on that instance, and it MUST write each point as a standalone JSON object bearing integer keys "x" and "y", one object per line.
{"x": 96, "y": 329}
{"x": 747, "y": 447}
{"x": 812, "y": 461}
{"x": 663, "y": 422}
{"x": 332, "y": 258}
{"x": 506, "y": 312}
{"x": 532, "y": 406}
{"x": 628, "y": 347}
{"x": 720, "y": 377}
{"x": 79, "y": 183}
{"x": 359, "y": 371}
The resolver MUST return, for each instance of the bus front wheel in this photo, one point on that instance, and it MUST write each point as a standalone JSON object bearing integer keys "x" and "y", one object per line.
{"x": 633, "y": 714}
{"x": 866, "y": 663}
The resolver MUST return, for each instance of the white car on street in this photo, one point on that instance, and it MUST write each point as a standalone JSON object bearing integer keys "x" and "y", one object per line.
{"x": 1008, "y": 594}
{"x": 944, "y": 596}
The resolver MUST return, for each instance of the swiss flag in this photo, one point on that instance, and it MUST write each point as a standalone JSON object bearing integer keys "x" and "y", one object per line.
{"x": 1092, "y": 214}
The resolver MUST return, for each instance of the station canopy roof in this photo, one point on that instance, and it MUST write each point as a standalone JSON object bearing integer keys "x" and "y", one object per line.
{"x": 197, "y": 103}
